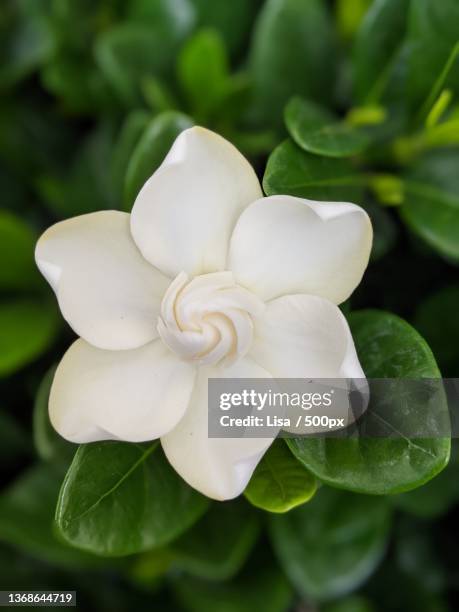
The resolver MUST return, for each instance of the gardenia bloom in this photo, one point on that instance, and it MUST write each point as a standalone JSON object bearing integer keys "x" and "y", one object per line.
{"x": 205, "y": 278}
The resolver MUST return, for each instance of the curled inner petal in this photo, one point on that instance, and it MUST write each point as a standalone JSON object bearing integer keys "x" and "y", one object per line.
{"x": 208, "y": 319}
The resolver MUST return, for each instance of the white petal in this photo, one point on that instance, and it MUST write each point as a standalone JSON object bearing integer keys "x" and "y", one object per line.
{"x": 183, "y": 216}
{"x": 304, "y": 336}
{"x": 307, "y": 337}
{"x": 106, "y": 290}
{"x": 134, "y": 395}
{"x": 217, "y": 467}
{"x": 284, "y": 245}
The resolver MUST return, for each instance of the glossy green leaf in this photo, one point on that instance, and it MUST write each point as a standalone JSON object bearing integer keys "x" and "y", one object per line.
{"x": 150, "y": 151}
{"x": 292, "y": 171}
{"x": 119, "y": 499}
{"x": 436, "y": 319}
{"x": 280, "y": 482}
{"x": 378, "y": 47}
{"x": 265, "y": 589}
{"x": 218, "y": 545}
{"x": 203, "y": 72}
{"x": 26, "y": 517}
{"x": 388, "y": 347}
{"x": 49, "y": 444}
{"x": 17, "y": 245}
{"x": 27, "y": 328}
{"x": 331, "y": 545}
{"x": 432, "y": 35}
{"x": 292, "y": 53}
{"x": 318, "y": 131}
{"x": 431, "y": 207}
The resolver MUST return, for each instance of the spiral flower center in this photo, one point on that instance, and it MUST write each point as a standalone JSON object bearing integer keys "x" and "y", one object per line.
{"x": 208, "y": 319}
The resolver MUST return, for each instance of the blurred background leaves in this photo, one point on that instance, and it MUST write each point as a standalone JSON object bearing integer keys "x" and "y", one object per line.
{"x": 330, "y": 99}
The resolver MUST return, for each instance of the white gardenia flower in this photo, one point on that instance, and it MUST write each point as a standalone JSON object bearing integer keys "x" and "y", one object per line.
{"x": 205, "y": 278}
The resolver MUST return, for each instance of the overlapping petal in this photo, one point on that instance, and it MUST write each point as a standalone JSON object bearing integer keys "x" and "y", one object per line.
{"x": 305, "y": 336}
{"x": 106, "y": 290}
{"x": 285, "y": 245}
{"x": 217, "y": 467}
{"x": 133, "y": 395}
{"x": 183, "y": 216}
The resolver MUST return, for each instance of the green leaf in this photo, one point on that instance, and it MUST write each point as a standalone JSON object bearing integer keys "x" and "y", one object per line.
{"x": 439, "y": 98}
{"x": 280, "y": 482}
{"x": 130, "y": 133}
{"x": 119, "y": 499}
{"x": 218, "y": 545}
{"x": 150, "y": 151}
{"x": 49, "y": 444}
{"x": 158, "y": 95}
{"x": 232, "y": 20}
{"x": 174, "y": 16}
{"x": 349, "y": 15}
{"x": 27, "y": 327}
{"x": 24, "y": 40}
{"x": 130, "y": 51}
{"x": 388, "y": 348}
{"x": 260, "y": 589}
{"x": 294, "y": 172}
{"x": 17, "y": 244}
{"x": 436, "y": 319}
{"x": 148, "y": 568}
{"x": 26, "y": 517}
{"x": 318, "y": 131}
{"x": 292, "y": 53}
{"x": 378, "y": 47}
{"x": 432, "y": 36}
{"x": 431, "y": 207}
{"x": 87, "y": 186}
{"x": 331, "y": 545}
{"x": 78, "y": 84}
{"x": 203, "y": 72}
{"x": 33, "y": 139}
{"x": 435, "y": 498}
